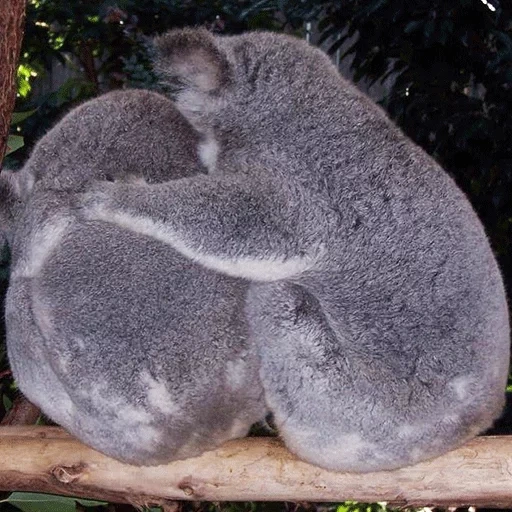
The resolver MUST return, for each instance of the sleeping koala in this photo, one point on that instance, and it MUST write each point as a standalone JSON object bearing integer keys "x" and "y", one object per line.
{"x": 130, "y": 346}
{"x": 376, "y": 301}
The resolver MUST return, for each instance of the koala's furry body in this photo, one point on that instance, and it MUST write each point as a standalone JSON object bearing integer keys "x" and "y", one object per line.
{"x": 135, "y": 349}
{"x": 376, "y": 301}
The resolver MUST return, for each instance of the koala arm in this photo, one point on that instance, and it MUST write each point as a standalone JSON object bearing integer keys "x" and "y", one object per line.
{"x": 260, "y": 230}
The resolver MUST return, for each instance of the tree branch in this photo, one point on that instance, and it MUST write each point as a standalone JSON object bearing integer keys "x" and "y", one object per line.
{"x": 12, "y": 17}
{"x": 46, "y": 459}
{"x": 22, "y": 412}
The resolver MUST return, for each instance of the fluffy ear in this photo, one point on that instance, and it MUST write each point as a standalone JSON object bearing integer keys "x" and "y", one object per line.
{"x": 191, "y": 57}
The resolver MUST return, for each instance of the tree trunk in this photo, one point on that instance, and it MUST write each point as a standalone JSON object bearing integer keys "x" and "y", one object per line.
{"x": 12, "y": 17}
{"x": 46, "y": 459}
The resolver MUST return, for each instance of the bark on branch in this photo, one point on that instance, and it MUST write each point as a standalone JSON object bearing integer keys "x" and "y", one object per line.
{"x": 22, "y": 412}
{"x": 46, "y": 459}
{"x": 12, "y": 17}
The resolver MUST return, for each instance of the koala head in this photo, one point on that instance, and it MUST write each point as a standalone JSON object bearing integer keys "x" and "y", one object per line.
{"x": 261, "y": 73}
{"x": 121, "y": 136}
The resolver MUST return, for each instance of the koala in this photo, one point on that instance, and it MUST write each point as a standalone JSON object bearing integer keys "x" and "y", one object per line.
{"x": 375, "y": 300}
{"x": 8, "y": 206}
{"x": 133, "y": 348}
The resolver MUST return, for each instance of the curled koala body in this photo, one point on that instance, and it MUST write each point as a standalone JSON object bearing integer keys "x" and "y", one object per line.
{"x": 136, "y": 350}
{"x": 376, "y": 302}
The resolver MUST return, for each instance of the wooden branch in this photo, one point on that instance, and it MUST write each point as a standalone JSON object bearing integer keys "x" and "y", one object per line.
{"x": 12, "y": 17}
{"x": 46, "y": 459}
{"x": 22, "y": 412}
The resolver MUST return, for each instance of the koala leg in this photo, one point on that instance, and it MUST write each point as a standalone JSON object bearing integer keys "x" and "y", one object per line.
{"x": 40, "y": 376}
{"x": 260, "y": 230}
{"x": 341, "y": 405}
{"x": 30, "y": 366}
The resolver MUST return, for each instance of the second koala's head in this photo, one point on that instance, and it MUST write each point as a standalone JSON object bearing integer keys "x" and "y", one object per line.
{"x": 106, "y": 138}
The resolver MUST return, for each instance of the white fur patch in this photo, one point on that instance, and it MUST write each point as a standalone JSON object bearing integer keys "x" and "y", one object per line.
{"x": 59, "y": 403}
{"x": 452, "y": 419}
{"x": 461, "y": 386}
{"x": 158, "y": 395}
{"x": 208, "y": 153}
{"x": 271, "y": 269}
{"x": 236, "y": 372}
{"x": 132, "y": 423}
{"x": 350, "y": 445}
{"x": 128, "y": 413}
{"x": 417, "y": 454}
{"x": 79, "y": 342}
{"x": 20, "y": 182}
{"x": 191, "y": 103}
{"x": 254, "y": 269}
{"x": 43, "y": 316}
{"x": 43, "y": 243}
{"x": 104, "y": 400}
{"x": 41, "y": 386}
{"x": 409, "y": 430}
{"x": 239, "y": 428}
{"x": 30, "y": 181}
{"x": 331, "y": 451}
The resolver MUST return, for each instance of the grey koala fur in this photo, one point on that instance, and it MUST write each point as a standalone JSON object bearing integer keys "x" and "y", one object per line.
{"x": 136, "y": 350}
{"x": 376, "y": 303}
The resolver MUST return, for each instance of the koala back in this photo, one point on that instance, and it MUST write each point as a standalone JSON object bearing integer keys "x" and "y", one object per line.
{"x": 148, "y": 349}
{"x": 391, "y": 343}
{"x": 136, "y": 350}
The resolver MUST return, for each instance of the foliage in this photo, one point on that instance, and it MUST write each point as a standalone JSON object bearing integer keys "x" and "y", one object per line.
{"x": 15, "y": 142}
{"x": 35, "y": 502}
{"x": 450, "y": 64}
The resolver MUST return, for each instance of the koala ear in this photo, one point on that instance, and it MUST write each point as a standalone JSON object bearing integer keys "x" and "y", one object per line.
{"x": 191, "y": 57}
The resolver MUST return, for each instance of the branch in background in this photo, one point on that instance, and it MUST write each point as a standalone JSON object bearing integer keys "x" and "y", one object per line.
{"x": 250, "y": 469}
{"x": 12, "y": 17}
{"x": 21, "y": 413}
{"x": 86, "y": 57}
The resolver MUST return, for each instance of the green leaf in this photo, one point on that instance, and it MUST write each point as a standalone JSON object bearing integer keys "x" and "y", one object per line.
{"x": 18, "y": 117}
{"x": 7, "y": 402}
{"x": 35, "y": 502}
{"x": 14, "y": 142}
